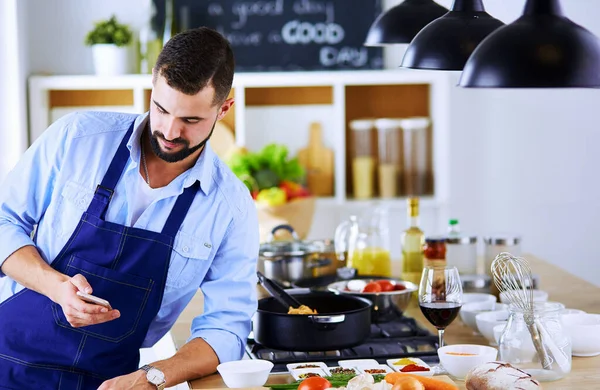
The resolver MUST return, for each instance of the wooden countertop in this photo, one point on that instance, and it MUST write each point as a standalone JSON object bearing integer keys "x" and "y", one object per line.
{"x": 562, "y": 287}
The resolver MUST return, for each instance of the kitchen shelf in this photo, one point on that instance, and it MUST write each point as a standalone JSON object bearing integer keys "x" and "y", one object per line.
{"x": 337, "y": 97}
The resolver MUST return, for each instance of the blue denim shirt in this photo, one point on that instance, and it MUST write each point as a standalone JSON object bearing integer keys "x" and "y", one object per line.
{"x": 216, "y": 248}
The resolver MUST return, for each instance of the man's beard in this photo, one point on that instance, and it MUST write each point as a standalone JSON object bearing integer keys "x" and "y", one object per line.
{"x": 176, "y": 156}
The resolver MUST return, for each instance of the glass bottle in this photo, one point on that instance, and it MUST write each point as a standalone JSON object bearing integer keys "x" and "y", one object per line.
{"x": 412, "y": 241}
{"x": 150, "y": 43}
{"x": 516, "y": 344}
{"x": 434, "y": 252}
{"x": 170, "y": 21}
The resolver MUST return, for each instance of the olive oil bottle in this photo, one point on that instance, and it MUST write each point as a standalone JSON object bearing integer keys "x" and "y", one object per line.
{"x": 412, "y": 241}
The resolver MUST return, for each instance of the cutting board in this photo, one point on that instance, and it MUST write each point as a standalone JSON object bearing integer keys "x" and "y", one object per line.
{"x": 318, "y": 162}
{"x": 215, "y": 382}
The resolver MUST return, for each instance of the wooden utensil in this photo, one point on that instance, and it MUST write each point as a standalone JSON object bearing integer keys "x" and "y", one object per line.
{"x": 318, "y": 162}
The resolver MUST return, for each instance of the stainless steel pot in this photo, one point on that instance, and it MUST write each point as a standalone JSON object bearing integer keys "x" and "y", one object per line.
{"x": 291, "y": 260}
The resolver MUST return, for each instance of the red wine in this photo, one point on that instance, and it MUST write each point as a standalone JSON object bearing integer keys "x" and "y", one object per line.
{"x": 440, "y": 313}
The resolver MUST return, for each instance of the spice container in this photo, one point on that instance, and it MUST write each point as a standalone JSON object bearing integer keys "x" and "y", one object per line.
{"x": 434, "y": 252}
{"x": 461, "y": 249}
{"x": 389, "y": 138}
{"x": 517, "y": 348}
{"x": 496, "y": 244}
{"x": 363, "y": 159}
{"x": 416, "y": 169}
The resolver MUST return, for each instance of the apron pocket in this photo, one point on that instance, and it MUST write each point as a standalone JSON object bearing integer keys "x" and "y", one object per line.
{"x": 125, "y": 292}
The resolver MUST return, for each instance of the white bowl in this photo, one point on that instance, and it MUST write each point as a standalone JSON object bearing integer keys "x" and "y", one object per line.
{"x": 468, "y": 311}
{"x": 245, "y": 373}
{"x": 487, "y": 321}
{"x": 458, "y": 365}
{"x": 584, "y": 330}
{"x": 538, "y": 296}
{"x": 478, "y": 297}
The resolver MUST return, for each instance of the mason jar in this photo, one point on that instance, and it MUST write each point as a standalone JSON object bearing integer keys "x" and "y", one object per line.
{"x": 551, "y": 360}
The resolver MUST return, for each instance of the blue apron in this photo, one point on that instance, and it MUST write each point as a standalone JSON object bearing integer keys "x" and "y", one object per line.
{"x": 124, "y": 265}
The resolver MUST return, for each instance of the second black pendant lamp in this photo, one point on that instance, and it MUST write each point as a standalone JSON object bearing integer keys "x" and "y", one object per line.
{"x": 541, "y": 49}
{"x": 401, "y": 23}
{"x": 447, "y": 42}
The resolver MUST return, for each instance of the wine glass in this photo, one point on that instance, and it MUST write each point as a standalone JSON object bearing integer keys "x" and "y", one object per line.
{"x": 440, "y": 297}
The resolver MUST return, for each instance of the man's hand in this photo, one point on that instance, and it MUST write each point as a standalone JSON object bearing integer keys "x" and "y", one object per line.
{"x": 78, "y": 312}
{"x": 134, "y": 381}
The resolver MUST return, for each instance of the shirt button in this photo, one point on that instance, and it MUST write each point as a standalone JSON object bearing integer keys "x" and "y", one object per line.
{"x": 186, "y": 249}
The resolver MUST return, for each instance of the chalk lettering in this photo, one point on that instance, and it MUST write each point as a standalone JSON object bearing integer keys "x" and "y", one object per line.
{"x": 238, "y": 38}
{"x": 244, "y": 10}
{"x": 346, "y": 56}
{"x": 295, "y": 32}
{"x": 312, "y": 7}
{"x": 215, "y": 9}
{"x": 274, "y": 37}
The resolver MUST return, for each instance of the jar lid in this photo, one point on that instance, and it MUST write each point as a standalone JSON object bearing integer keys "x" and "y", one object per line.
{"x": 435, "y": 240}
{"x": 362, "y": 124}
{"x": 415, "y": 123}
{"x": 461, "y": 240}
{"x": 386, "y": 124}
{"x": 502, "y": 240}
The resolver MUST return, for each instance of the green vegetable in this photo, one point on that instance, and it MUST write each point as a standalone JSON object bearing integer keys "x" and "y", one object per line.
{"x": 266, "y": 168}
{"x": 336, "y": 380}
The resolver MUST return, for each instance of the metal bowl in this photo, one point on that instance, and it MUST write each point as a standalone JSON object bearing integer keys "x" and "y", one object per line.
{"x": 387, "y": 305}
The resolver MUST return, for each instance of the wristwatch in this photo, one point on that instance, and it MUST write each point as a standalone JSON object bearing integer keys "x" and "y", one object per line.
{"x": 155, "y": 376}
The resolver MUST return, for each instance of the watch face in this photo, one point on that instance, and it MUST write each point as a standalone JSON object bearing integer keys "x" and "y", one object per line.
{"x": 155, "y": 376}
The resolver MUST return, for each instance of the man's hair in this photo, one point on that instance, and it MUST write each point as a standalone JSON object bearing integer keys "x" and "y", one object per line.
{"x": 195, "y": 59}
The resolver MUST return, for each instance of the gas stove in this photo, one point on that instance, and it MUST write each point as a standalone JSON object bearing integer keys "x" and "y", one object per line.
{"x": 401, "y": 337}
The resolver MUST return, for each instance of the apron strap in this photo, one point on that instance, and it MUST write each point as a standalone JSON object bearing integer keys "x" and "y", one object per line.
{"x": 180, "y": 209}
{"x": 105, "y": 190}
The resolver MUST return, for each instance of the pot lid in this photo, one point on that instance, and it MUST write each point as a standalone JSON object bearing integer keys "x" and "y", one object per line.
{"x": 281, "y": 248}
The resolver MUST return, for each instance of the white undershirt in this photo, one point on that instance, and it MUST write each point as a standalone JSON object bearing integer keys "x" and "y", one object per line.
{"x": 144, "y": 196}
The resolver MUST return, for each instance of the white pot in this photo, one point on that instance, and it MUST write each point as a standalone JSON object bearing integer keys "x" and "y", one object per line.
{"x": 110, "y": 60}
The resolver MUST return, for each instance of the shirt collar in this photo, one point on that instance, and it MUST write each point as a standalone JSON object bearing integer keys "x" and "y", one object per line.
{"x": 201, "y": 171}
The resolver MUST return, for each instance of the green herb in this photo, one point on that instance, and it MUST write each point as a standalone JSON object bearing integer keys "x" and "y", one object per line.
{"x": 109, "y": 32}
{"x": 336, "y": 380}
{"x": 267, "y": 168}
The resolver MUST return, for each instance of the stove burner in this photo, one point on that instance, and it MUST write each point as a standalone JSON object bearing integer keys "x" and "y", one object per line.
{"x": 400, "y": 338}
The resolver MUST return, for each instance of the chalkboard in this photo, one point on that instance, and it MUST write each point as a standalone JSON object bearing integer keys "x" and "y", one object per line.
{"x": 287, "y": 35}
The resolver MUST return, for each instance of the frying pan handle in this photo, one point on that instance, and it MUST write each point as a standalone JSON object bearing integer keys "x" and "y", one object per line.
{"x": 337, "y": 319}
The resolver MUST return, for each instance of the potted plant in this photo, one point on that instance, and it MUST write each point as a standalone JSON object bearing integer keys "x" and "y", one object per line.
{"x": 111, "y": 44}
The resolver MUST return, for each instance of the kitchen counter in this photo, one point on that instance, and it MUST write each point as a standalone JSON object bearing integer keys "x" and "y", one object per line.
{"x": 562, "y": 287}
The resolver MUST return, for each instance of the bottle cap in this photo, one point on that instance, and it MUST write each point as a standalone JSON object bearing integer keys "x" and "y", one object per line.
{"x": 453, "y": 222}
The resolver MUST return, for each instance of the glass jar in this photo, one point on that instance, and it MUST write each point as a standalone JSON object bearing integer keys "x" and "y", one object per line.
{"x": 517, "y": 348}
{"x": 434, "y": 252}
{"x": 363, "y": 158}
{"x": 462, "y": 253}
{"x": 416, "y": 164}
{"x": 496, "y": 244}
{"x": 389, "y": 138}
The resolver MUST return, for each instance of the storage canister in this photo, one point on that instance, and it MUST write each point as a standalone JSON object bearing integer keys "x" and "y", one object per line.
{"x": 389, "y": 138}
{"x": 363, "y": 158}
{"x": 498, "y": 243}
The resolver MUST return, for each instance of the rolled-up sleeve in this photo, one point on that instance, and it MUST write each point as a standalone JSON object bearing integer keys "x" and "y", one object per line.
{"x": 229, "y": 289}
{"x": 27, "y": 189}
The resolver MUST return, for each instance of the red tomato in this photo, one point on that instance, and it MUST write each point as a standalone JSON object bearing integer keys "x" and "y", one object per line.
{"x": 399, "y": 287}
{"x": 386, "y": 285}
{"x": 372, "y": 288}
{"x": 314, "y": 383}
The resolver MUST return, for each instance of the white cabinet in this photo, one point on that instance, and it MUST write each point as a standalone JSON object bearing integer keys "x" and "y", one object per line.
{"x": 278, "y": 107}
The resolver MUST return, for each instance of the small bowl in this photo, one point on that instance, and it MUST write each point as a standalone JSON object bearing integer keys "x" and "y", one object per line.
{"x": 538, "y": 296}
{"x": 468, "y": 311}
{"x": 478, "y": 297}
{"x": 459, "y": 365}
{"x": 487, "y": 321}
{"x": 584, "y": 331}
{"x": 245, "y": 373}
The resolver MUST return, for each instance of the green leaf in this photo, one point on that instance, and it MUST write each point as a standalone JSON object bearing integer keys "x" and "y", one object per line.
{"x": 109, "y": 32}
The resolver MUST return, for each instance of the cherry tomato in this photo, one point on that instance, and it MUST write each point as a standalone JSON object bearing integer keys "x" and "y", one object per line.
{"x": 314, "y": 383}
{"x": 399, "y": 287}
{"x": 386, "y": 285}
{"x": 372, "y": 287}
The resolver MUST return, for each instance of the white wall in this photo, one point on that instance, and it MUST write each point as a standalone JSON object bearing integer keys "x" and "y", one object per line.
{"x": 548, "y": 192}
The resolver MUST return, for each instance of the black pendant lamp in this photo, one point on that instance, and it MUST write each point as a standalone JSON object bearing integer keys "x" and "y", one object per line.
{"x": 447, "y": 42}
{"x": 401, "y": 23}
{"x": 541, "y": 49}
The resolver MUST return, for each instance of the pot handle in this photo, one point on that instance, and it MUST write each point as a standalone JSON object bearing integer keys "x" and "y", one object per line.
{"x": 337, "y": 319}
{"x": 318, "y": 263}
{"x": 285, "y": 227}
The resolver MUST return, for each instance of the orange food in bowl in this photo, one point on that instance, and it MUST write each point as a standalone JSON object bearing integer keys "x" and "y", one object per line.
{"x": 461, "y": 354}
